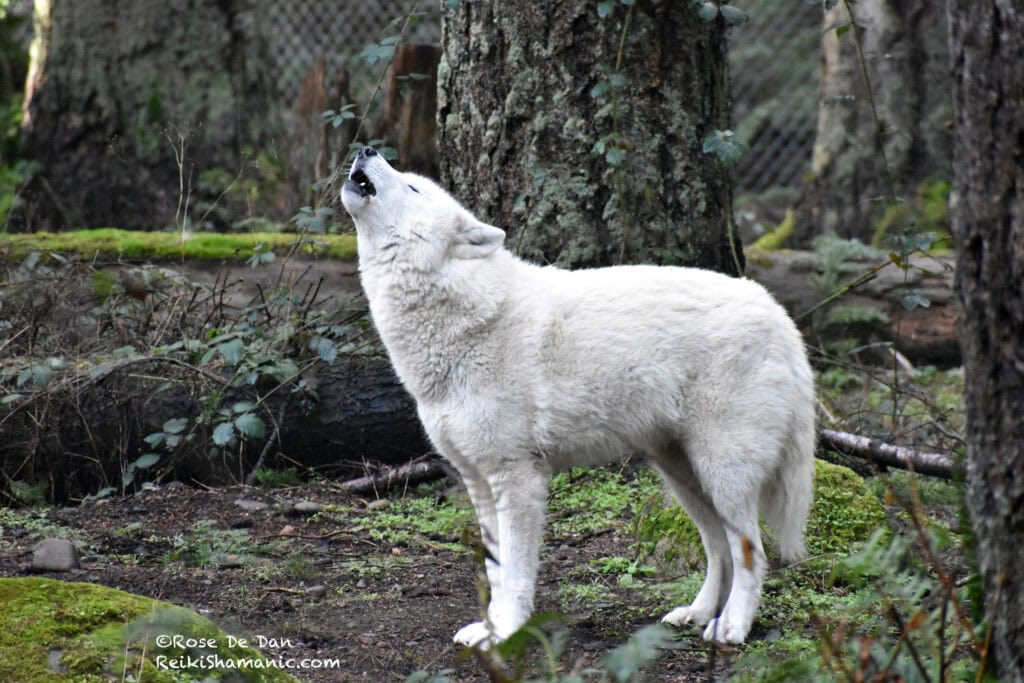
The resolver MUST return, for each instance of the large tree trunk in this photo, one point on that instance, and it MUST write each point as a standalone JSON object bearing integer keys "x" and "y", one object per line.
{"x": 118, "y": 89}
{"x": 987, "y": 46}
{"x": 905, "y": 52}
{"x": 526, "y": 91}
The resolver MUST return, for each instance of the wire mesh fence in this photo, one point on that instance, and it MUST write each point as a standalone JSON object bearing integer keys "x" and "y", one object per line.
{"x": 773, "y": 57}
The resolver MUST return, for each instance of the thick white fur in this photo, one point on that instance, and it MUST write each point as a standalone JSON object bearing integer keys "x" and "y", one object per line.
{"x": 519, "y": 370}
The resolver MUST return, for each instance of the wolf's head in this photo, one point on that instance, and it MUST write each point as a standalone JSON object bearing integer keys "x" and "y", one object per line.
{"x": 408, "y": 216}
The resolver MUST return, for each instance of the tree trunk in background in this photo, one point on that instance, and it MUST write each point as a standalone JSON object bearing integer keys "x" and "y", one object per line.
{"x": 113, "y": 88}
{"x": 987, "y": 46}
{"x": 905, "y": 49}
{"x": 519, "y": 115}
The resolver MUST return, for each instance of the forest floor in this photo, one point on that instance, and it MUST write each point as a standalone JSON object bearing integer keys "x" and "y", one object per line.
{"x": 379, "y": 585}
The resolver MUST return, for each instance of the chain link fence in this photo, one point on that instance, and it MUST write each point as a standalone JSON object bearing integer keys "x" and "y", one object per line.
{"x": 774, "y": 65}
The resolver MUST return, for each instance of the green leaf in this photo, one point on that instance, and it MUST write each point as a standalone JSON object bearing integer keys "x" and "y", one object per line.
{"x": 325, "y": 348}
{"x": 176, "y": 425}
{"x": 708, "y": 11}
{"x": 724, "y": 145}
{"x": 128, "y": 477}
{"x": 100, "y": 371}
{"x": 250, "y": 425}
{"x": 223, "y": 433}
{"x": 600, "y": 89}
{"x": 604, "y": 8}
{"x": 915, "y": 300}
{"x": 232, "y": 351}
{"x": 733, "y": 15}
{"x": 146, "y": 460}
{"x": 154, "y": 439}
{"x": 840, "y": 30}
{"x": 9, "y": 398}
{"x": 616, "y": 80}
{"x": 452, "y": 5}
{"x": 243, "y": 407}
{"x": 614, "y": 155}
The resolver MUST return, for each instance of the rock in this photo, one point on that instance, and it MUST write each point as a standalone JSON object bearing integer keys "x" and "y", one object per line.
{"x": 378, "y": 504}
{"x": 54, "y": 555}
{"x": 251, "y": 505}
{"x": 306, "y": 507}
{"x": 316, "y": 592}
{"x": 287, "y": 530}
{"x": 230, "y": 561}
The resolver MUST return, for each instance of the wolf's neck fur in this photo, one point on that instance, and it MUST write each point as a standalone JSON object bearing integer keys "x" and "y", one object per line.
{"x": 432, "y": 322}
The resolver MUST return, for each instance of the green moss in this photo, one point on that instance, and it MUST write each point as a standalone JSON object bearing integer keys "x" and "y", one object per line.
{"x": 774, "y": 240}
{"x": 926, "y": 211}
{"x": 589, "y": 500}
{"x": 130, "y": 244}
{"x": 844, "y": 511}
{"x": 100, "y": 632}
{"x": 411, "y": 518}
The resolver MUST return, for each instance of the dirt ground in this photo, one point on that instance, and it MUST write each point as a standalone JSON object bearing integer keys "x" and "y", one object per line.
{"x": 382, "y": 610}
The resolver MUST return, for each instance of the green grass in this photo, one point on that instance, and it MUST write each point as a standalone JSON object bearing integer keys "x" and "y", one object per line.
{"x": 132, "y": 244}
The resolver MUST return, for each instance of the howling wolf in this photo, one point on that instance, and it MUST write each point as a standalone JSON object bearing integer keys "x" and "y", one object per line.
{"x": 520, "y": 370}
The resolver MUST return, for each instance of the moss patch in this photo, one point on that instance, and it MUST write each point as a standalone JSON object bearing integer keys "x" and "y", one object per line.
{"x": 844, "y": 512}
{"x": 85, "y": 632}
{"x": 131, "y": 244}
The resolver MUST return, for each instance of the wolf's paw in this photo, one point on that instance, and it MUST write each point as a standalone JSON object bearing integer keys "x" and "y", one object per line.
{"x": 689, "y": 614}
{"x": 477, "y": 634}
{"x": 723, "y": 630}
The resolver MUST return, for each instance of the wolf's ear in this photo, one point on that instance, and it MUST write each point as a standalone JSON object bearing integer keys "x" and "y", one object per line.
{"x": 476, "y": 240}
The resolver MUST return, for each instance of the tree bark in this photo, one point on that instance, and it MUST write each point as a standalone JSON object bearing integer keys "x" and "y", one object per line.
{"x": 906, "y": 57}
{"x": 116, "y": 86}
{"x": 987, "y": 47}
{"x": 526, "y": 91}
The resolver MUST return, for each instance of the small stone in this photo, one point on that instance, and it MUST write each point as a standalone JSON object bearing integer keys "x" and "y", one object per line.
{"x": 378, "y": 504}
{"x": 287, "y": 530}
{"x": 316, "y": 592}
{"x": 230, "y": 561}
{"x": 54, "y": 555}
{"x": 251, "y": 505}
{"x": 361, "y": 583}
{"x": 772, "y": 635}
{"x": 306, "y": 507}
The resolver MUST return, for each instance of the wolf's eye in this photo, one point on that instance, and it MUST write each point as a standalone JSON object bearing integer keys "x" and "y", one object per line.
{"x": 414, "y": 189}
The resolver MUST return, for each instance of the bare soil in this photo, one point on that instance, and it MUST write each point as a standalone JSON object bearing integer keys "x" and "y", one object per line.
{"x": 388, "y": 610}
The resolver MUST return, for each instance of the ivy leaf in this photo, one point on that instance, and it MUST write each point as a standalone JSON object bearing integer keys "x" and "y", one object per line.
{"x": 600, "y": 89}
{"x": 176, "y": 425}
{"x": 724, "y": 145}
{"x": 232, "y": 351}
{"x": 223, "y": 433}
{"x": 915, "y": 300}
{"x": 614, "y": 155}
{"x": 154, "y": 439}
{"x": 325, "y": 348}
{"x": 840, "y": 30}
{"x": 734, "y": 15}
{"x": 242, "y": 407}
{"x": 604, "y": 8}
{"x": 708, "y": 11}
{"x": 145, "y": 460}
{"x": 250, "y": 425}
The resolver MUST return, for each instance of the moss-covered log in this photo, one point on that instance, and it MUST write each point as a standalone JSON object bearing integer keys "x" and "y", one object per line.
{"x": 530, "y": 91}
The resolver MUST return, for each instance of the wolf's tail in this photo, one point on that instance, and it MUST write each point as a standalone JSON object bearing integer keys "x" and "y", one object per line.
{"x": 786, "y": 500}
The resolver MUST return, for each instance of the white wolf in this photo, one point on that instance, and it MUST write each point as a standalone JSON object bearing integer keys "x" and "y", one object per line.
{"x": 519, "y": 370}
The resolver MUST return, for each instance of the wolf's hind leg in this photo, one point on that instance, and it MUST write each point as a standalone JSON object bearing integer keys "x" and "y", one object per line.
{"x": 681, "y": 480}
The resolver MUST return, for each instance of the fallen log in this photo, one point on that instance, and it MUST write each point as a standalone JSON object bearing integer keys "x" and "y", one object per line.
{"x": 413, "y": 473}
{"x": 888, "y": 455}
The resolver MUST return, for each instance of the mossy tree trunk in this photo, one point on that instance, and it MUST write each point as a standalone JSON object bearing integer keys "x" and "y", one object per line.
{"x": 120, "y": 92}
{"x": 906, "y": 56}
{"x": 987, "y": 46}
{"x": 526, "y": 91}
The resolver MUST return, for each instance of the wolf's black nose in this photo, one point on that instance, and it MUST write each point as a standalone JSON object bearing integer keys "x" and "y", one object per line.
{"x": 367, "y": 152}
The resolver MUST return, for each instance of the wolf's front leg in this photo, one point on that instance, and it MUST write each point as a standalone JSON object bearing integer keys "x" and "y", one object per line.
{"x": 520, "y": 496}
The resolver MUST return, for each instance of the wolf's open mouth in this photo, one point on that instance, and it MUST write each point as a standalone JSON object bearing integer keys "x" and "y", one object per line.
{"x": 360, "y": 180}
